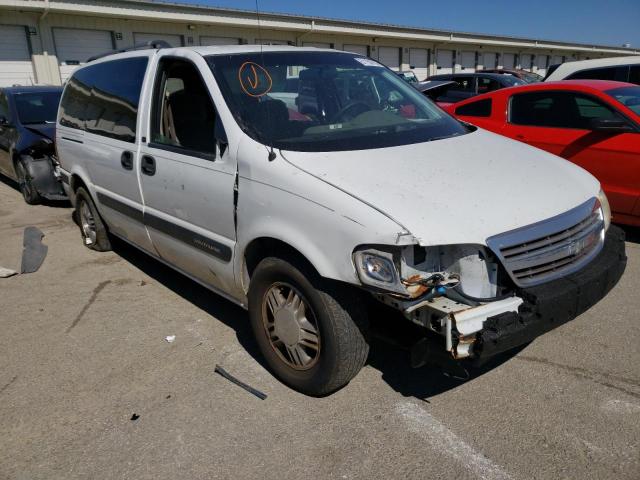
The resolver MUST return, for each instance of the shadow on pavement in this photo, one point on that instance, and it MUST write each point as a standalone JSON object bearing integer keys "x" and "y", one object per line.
{"x": 632, "y": 233}
{"x": 222, "y": 309}
{"x": 388, "y": 353}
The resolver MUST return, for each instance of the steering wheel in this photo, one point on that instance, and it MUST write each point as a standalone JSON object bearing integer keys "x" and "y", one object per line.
{"x": 353, "y": 108}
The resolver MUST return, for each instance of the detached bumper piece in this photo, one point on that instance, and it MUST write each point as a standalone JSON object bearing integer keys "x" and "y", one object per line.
{"x": 552, "y": 304}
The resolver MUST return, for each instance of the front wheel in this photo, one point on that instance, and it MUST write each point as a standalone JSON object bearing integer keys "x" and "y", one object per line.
{"x": 25, "y": 183}
{"x": 310, "y": 331}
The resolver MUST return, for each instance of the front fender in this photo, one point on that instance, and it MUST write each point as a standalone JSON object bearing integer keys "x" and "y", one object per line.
{"x": 325, "y": 224}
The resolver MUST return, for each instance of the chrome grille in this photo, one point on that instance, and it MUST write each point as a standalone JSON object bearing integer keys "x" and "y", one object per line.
{"x": 553, "y": 248}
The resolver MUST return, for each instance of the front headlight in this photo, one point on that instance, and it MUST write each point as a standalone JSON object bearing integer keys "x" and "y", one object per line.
{"x": 606, "y": 209}
{"x": 377, "y": 268}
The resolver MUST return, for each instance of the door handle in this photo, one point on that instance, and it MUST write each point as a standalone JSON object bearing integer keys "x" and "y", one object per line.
{"x": 126, "y": 160}
{"x": 148, "y": 165}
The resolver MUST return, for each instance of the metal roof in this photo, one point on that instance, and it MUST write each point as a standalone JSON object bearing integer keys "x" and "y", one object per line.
{"x": 356, "y": 23}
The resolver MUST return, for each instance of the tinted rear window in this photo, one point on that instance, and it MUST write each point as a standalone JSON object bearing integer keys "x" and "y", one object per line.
{"x": 634, "y": 74}
{"x": 607, "y": 73}
{"x": 481, "y": 108}
{"x": 103, "y": 98}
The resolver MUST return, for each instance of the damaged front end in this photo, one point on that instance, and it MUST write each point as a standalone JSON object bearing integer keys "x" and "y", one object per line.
{"x": 449, "y": 290}
{"x": 483, "y": 300}
{"x": 42, "y": 168}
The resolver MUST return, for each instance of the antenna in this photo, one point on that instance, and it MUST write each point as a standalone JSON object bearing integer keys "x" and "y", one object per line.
{"x": 272, "y": 153}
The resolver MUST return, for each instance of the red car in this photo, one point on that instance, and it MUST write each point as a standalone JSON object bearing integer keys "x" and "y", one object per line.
{"x": 593, "y": 123}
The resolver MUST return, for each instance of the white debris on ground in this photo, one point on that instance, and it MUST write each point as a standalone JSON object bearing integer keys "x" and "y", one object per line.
{"x": 170, "y": 338}
{"x": 7, "y": 272}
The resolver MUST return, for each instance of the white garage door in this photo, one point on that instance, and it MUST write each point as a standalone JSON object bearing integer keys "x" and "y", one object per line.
{"x": 444, "y": 61}
{"x": 419, "y": 62}
{"x": 316, "y": 44}
{"x": 389, "y": 56}
{"x": 75, "y": 46}
{"x": 173, "y": 40}
{"x": 271, "y": 42}
{"x": 468, "y": 62}
{"x": 526, "y": 62}
{"x": 541, "y": 64}
{"x": 359, "y": 49}
{"x": 508, "y": 60}
{"x": 205, "y": 40}
{"x": 15, "y": 61}
{"x": 489, "y": 60}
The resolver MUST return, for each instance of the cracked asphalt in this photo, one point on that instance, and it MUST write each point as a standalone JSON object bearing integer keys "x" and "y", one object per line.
{"x": 82, "y": 349}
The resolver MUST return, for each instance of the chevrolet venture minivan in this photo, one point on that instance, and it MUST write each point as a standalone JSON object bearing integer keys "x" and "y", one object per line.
{"x": 304, "y": 183}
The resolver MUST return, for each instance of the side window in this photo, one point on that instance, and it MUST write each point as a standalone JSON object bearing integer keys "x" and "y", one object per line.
{"x": 113, "y": 108}
{"x": 4, "y": 106}
{"x": 74, "y": 101}
{"x": 607, "y": 73}
{"x": 488, "y": 85}
{"x": 464, "y": 84}
{"x": 481, "y": 108}
{"x": 102, "y": 100}
{"x": 556, "y": 110}
{"x": 634, "y": 74}
{"x": 183, "y": 115}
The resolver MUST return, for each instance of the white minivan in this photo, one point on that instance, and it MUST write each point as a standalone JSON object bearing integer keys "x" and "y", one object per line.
{"x": 305, "y": 184}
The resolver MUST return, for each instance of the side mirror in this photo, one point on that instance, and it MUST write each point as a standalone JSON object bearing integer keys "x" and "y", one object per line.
{"x": 611, "y": 125}
{"x": 221, "y": 136}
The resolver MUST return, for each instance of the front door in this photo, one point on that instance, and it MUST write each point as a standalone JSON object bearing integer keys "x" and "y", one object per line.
{"x": 559, "y": 122}
{"x": 188, "y": 175}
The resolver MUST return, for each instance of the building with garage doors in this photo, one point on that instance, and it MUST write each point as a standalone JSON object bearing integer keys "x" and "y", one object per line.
{"x": 43, "y": 41}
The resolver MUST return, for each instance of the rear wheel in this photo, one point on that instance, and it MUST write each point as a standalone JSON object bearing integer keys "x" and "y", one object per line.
{"x": 25, "y": 183}
{"x": 310, "y": 331}
{"x": 93, "y": 230}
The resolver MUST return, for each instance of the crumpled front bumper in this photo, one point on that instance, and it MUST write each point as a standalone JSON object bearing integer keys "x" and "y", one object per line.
{"x": 552, "y": 304}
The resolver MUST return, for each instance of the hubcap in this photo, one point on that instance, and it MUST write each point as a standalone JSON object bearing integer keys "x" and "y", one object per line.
{"x": 291, "y": 326}
{"x": 87, "y": 224}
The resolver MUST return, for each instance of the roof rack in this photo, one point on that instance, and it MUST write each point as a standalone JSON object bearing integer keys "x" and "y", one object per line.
{"x": 151, "y": 44}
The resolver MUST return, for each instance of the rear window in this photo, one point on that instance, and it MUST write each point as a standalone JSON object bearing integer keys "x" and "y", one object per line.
{"x": 103, "y": 98}
{"x": 634, "y": 74}
{"x": 608, "y": 73}
{"x": 480, "y": 108}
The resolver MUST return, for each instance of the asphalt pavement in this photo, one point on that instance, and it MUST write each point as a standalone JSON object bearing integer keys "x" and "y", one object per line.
{"x": 90, "y": 388}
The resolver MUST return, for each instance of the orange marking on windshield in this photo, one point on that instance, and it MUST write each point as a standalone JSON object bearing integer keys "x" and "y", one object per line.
{"x": 254, "y": 79}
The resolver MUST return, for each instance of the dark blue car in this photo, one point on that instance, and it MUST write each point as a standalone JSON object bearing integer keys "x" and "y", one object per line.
{"x": 27, "y": 134}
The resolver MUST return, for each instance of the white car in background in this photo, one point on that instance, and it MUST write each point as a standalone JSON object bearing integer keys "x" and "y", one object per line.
{"x": 304, "y": 183}
{"x": 621, "y": 69}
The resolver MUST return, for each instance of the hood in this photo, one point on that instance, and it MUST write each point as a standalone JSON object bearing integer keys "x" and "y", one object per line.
{"x": 457, "y": 190}
{"x": 45, "y": 129}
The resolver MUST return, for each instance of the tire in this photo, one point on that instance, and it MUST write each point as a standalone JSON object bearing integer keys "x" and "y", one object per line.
{"x": 93, "y": 230}
{"x": 25, "y": 183}
{"x": 330, "y": 348}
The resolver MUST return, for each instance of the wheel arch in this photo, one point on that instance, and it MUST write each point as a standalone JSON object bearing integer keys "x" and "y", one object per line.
{"x": 265, "y": 246}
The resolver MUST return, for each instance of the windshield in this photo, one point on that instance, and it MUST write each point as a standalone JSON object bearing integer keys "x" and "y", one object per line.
{"x": 513, "y": 81}
{"x": 325, "y": 101}
{"x": 531, "y": 77}
{"x": 40, "y": 107}
{"x": 628, "y": 96}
